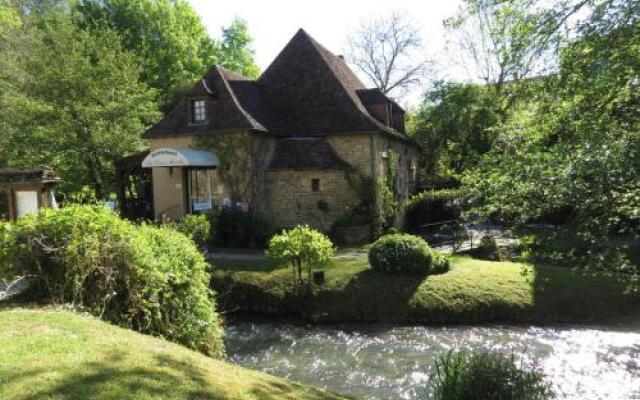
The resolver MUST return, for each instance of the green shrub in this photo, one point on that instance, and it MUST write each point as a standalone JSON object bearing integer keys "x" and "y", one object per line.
{"x": 302, "y": 248}
{"x": 150, "y": 279}
{"x": 486, "y": 376}
{"x": 441, "y": 263}
{"x": 401, "y": 254}
{"x": 195, "y": 226}
{"x": 429, "y": 196}
{"x": 236, "y": 228}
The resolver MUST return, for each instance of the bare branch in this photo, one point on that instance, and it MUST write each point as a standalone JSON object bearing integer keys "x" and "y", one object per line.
{"x": 389, "y": 52}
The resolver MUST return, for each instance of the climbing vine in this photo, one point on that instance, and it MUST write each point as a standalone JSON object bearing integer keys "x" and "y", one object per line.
{"x": 386, "y": 190}
{"x": 234, "y": 152}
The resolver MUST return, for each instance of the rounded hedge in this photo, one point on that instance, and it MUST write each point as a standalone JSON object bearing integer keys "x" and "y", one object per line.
{"x": 401, "y": 254}
{"x": 150, "y": 279}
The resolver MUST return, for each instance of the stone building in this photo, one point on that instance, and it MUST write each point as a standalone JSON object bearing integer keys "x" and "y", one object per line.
{"x": 294, "y": 145}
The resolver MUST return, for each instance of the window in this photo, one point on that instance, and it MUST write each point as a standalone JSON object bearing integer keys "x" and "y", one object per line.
{"x": 198, "y": 114}
{"x": 200, "y": 193}
{"x": 315, "y": 185}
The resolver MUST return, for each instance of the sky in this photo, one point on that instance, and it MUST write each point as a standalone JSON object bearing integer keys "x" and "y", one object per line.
{"x": 272, "y": 24}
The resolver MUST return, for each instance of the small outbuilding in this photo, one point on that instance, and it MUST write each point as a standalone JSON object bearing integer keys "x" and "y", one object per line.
{"x": 26, "y": 190}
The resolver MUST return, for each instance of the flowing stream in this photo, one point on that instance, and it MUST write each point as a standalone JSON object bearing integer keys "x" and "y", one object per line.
{"x": 390, "y": 362}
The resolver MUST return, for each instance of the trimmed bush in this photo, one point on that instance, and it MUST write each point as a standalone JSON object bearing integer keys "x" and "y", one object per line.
{"x": 486, "y": 376}
{"x": 441, "y": 263}
{"x": 401, "y": 254}
{"x": 151, "y": 279}
{"x": 236, "y": 228}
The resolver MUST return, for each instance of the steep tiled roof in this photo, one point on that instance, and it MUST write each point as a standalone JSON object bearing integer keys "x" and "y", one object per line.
{"x": 224, "y": 112}
{"x": 306, "y": 154}
{"x": 306, "y": 91}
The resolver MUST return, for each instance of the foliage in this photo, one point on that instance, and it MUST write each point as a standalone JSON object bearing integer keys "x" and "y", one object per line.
{"x": 169, "y": 37}
{"x": 77, "y": 113}
{"x": 302, "y": 248}
{"x": 234, "y": 227}
{"x": 78, "y": 357}
{"x": 195, "y": 226}
{"x": 236, "y": 53}
{"x": 454, "y": 127}
{"x": 441, "y": 263}
{"x": 386, "y": 204}
{"x": 574, "y": 147}
{"x": 463, "y": 376}
{"x": 507, "y": 41}
{"x": 150, "y": 279}
{"x": 172, "y": 42}
{"x": 234, "y": 151}
{"x": 401, "y": 254}
{"x": 428, "y": 196}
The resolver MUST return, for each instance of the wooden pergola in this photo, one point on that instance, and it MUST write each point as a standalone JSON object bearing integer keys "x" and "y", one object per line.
{"x": 134, "y": 187}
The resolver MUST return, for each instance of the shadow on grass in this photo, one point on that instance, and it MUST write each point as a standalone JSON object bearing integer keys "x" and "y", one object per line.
{"x": 167, "y": 377}
{"x": 563, "y": 294}
{"x": 368, "y": 296}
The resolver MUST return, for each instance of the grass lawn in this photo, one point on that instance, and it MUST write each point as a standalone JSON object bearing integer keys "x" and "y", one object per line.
{"x": 472, "y": 291}
{"x": 47, "y": 354}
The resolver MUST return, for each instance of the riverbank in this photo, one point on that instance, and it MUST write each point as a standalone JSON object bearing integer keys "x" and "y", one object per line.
{"x": 70, "y": 356}
{"x": 473, "y": 291}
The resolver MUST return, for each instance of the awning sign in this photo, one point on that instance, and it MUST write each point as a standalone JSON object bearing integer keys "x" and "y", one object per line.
{"x": 180, "y": 158}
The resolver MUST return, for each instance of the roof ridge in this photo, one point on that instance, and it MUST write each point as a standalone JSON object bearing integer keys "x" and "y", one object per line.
{"x": 324, "y": 54}
{"x": 252, "y": 121}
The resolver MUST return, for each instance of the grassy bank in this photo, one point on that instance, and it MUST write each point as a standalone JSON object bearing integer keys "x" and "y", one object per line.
{"x": 472, "y": 291}
{"x": 61, "y": 355}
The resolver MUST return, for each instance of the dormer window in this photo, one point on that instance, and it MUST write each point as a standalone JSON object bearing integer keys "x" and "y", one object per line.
{"x": 198, "y": 111}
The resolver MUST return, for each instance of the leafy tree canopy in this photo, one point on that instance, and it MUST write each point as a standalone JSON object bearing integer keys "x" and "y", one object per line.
{"x": 573, "y": 149}
{"x": 454, "y": 127}
{"x": 78, "y": 112}
{"x": 168, "y": 35}
{"x": 236, "y": 52}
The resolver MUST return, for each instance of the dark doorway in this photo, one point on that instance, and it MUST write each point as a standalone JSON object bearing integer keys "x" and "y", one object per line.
{"x": 135, "y": 188}
{"x": 4, "y": 206}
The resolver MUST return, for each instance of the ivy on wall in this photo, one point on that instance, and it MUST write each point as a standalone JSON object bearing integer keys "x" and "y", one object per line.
{"x": 234, "y": 151}
{"x": 387, "y": 207}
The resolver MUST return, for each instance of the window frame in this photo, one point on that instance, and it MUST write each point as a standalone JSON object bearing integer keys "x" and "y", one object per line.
{"x": 195, "y": 110}
{"x": 315, "y": 185}
{"x": 191, "y": 179}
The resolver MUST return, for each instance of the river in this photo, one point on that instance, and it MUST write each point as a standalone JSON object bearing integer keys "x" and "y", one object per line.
{"x": 390, "y": 362}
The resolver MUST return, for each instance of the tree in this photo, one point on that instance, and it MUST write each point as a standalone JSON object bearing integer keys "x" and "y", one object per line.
{"x": 389, "y": 52}
{"x": 572, "y": 152}
{"x": 455, "y": 127}
{"x": 507, "y": 41}
{"x": 169, "y": 37}
{"x": 236, "y": 53}
{"x": 78, "y": 107}
{"x": 301, "y": 247}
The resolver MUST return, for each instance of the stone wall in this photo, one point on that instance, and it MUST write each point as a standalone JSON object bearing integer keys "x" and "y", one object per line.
{"x": 354, "y": 149}
{"x": 406, "y": 167}
{"x": 289, "y": 199}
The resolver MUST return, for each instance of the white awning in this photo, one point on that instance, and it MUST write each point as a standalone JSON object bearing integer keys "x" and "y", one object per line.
{"x": 180, "y": 158}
